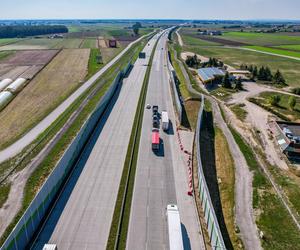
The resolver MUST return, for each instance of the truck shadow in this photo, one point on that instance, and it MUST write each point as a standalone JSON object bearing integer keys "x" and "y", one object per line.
{"x": 170, "y": 131}
{"x": 185, "y": 238}
{"x": 57, "y": 206}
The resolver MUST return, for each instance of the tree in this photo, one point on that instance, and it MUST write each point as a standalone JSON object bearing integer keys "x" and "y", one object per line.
{"x": 278, "y": 78}
{"x": 136, "y": 27}
{"x": 226, "y": 81}
{"x": 193, "y": 61}
{"x": 261, "y": 73}
{"x": 292, "y": 102}
{"x": 268, "y": 74}
{"x": 274, "y": 100}
{"x": 254, "y": 73}
{"x": 238, "y": 84}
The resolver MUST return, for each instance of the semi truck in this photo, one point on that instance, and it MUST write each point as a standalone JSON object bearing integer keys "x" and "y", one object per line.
{"x": 165, "y": 120}
{"x": 50, "y": 247}
{"x": 174, "y": 228}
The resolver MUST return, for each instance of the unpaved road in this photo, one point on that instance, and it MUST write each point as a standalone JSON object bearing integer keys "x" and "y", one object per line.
{"x": 179, "y": 37}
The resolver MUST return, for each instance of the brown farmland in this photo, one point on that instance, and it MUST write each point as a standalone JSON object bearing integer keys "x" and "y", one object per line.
{"x": 25, "y": 63}
{"x": 46, "y": 91}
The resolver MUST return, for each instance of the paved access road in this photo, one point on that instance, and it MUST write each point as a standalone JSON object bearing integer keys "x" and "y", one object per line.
{"x": 82, "y": 216}
{"x": 158, "y": 182}
{"x": 31, "y": 135}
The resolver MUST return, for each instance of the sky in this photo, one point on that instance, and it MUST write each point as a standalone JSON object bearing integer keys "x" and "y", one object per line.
{"x": 150, "y": 9}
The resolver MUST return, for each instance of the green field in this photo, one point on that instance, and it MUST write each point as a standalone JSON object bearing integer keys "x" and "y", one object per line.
{"x": 275, "y": 51}
{"x": 235, "y": 57}
{"x": 4, "y": 41}
{"x": 290, "y": 47}
{"x": 261, "y": 39}
{"x": 193, "y": 41}
{"x": 89, "y": 43}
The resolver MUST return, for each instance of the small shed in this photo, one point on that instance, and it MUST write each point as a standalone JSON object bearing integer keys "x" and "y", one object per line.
{"x": 112, "y": 43}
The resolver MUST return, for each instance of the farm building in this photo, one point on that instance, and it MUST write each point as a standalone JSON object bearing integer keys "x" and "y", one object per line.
{"x": 112, "y": 43}
{"x": 209, "y": 75}
{"x": 287, "y": 135}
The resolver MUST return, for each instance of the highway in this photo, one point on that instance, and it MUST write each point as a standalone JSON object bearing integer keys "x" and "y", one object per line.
{"x": 31, "y": 135}
{"x": 158, "y": 181}
{"x": 81, "y": 218}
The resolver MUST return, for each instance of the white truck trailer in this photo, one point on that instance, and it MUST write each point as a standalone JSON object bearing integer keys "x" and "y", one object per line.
{"x": 165, "y": 120}
{"x": 174, "y": 228}
{"x": 50, "y": 247}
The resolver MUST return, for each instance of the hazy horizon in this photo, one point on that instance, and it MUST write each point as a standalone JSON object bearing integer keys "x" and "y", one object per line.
{"x": 155, "y": 9}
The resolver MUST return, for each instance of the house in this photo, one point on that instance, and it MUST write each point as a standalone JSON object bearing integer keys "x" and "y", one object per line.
{"x": 209, "y": 75}
{"x": 112, "y": 43}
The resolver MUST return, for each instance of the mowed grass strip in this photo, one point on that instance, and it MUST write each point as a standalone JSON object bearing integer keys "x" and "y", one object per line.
{"x": 290, "y": 47}
{"x": 45, "y": 92}
{"x": 275, "y": 51}
{"x": 271, "y": 216}
{"x": 239, "y": 111}
{"x": 119, "y": 226}
{"x": 226, "y": 174}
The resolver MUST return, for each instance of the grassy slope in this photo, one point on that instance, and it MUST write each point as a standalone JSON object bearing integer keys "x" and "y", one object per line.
{"x": 239, "y": 111}
{"x": 4, "y": 41}
{"x": 235, "y": 57}
{"x": 225, "y": 172}
{"x": 275, "y": 51}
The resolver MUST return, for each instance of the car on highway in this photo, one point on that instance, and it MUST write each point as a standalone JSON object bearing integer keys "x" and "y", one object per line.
{"x": 154, "y": 108}
{"x": 155, "y": 139}
{"x": 148, "y": 106}
{"x": 155, "y": 122}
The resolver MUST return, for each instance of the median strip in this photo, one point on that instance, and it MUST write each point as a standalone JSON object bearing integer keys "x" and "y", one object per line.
{"x": 119, "y": 227}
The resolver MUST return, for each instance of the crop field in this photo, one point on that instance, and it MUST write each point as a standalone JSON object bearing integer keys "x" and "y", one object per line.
{"x": 89, "y": 43}
{"x": 25, "y": 63}
{"x": 49, "y": 88}
{"x": 276, "y": 51}
{"x": 110, "y": 53}
{"x": 261, "y": 39}
{"x": 235, "y": 57}
{"x": 197, "y": 41}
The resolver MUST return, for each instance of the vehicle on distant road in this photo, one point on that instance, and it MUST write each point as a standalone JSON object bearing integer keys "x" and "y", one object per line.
{"x": 165, "y": 120}
{"x": 148, "y": 106}
{"x": 155, "y": 139}
{"x": 174, "y": 228}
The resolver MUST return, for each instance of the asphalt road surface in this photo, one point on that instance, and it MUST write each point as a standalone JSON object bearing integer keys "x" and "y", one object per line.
{"x": 156, "y": 183}
{"x": 81, "y": 218}
{"x": 30, "y": 136}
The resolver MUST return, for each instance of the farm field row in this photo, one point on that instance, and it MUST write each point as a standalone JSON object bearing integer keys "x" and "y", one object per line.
{"x": 51, "y": 86}
{"x": 275, "y": 51}
{"x": 290, "y": 47}
{"x": 235, "y": 57}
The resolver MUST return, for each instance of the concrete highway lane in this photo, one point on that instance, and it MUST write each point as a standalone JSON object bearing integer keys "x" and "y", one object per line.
{"x": 156, "y": 182}
{"x": 81, "y": 218}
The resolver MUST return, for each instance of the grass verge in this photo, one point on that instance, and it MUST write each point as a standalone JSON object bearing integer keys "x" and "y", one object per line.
{"x": 93, "y": 65}
{"x": 119, "y": 227}
{"x": 272, "y": 218}
{"x": 4, "y": 192}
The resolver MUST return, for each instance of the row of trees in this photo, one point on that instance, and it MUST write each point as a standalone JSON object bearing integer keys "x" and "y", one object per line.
{"x": 195, "y": 62}
{"x": 264, "y": 74}
{"x": 136, "y": 28}
{"x": 14, "y": 31}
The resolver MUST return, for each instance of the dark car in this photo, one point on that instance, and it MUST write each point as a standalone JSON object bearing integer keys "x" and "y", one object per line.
{"x": 155, "y": 122}
{"x": 155, "y": 108}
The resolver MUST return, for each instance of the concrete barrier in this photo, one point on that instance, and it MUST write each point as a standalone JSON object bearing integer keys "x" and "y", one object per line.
{"x": 216, "y": 238}
{"x": 176, "y": 98}
{"x": 31, "y": 219}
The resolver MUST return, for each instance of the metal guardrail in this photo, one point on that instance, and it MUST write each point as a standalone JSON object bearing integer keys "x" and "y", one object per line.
{"x": 27, "y": 225}
{"x": 215, "y": 235}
